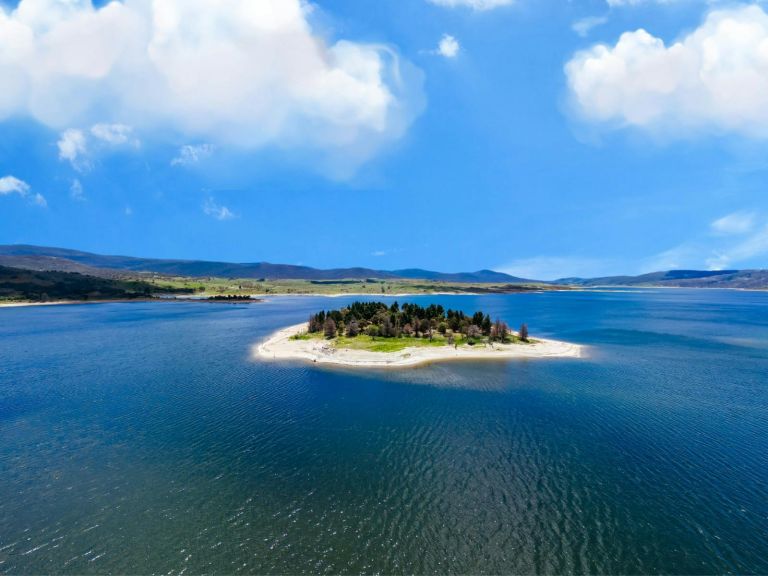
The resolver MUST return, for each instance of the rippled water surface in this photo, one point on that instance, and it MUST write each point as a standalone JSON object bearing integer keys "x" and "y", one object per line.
{"x": 143, "y": 438}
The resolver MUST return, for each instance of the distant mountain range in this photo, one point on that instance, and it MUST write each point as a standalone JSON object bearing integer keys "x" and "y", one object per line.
{"x": 65, "y": 260}
{"x": 747, "y": 279}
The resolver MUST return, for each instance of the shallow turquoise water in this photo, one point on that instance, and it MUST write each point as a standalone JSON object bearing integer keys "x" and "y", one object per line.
{"x": 142, "y": 438}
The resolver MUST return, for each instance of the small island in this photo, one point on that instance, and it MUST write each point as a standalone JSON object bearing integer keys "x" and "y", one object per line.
{"x": 375, "y": 334}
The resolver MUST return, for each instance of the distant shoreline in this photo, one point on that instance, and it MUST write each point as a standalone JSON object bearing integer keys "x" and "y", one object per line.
{"x": 128, "y": 301}
{"x": 262, "y": 297}
{"x": 280, "y": 346}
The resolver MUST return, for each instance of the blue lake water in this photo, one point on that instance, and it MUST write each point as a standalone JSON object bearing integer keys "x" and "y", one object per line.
{"x": 142, "y": 438}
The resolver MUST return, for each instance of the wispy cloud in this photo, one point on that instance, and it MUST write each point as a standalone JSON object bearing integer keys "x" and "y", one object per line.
{"x": 473, "y": 4}
{"x": 735, "y": 240}
{"x": 555, "y": 267}
{"x": 755, "y": 245}
{"x": 584, "y": 26}
{"x": 219, "y": 212}
{"x": 615, "y": 3}
{"x": 39, "y": 200}
{"x": 734, "y": 224}
{"x": 191, "y": 154}
{"x": 685, "y": 255}
{"x": 115, "y": 134}
{"x": 76, "y": 191}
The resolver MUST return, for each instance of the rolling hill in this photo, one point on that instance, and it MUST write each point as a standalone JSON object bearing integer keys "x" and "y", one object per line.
{"x": 65, "y": 260}
{"x": 41, "y": 258}
{"x": 745, "y": 279}
{"x": 50, "y": 286}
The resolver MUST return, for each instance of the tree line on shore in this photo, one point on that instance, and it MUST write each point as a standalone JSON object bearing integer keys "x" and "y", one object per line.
{"x": 376, "y": 319}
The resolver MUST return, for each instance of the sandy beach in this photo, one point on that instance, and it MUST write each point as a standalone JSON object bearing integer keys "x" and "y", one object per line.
{"x": 25, "y": 304}
{"x": 279, "y": 346}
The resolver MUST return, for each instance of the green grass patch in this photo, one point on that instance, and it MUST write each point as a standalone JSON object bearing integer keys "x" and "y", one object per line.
{"x": 307, "y": 336}
{"x": 379, "y": 344}
{"x": 386, "y": 344}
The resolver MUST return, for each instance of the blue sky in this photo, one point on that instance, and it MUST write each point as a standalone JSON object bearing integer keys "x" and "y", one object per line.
{"x": 545, "y": 138}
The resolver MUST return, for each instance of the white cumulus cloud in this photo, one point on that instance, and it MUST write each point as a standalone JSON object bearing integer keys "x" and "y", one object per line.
{"x": 474, "y": 4}
{"x": 448, "y": 46}
{"x": 12, "y": 185}
{"x": 714, "y": 78}
{"x": 72, "y": 147}
{"x": 245, "y": 73}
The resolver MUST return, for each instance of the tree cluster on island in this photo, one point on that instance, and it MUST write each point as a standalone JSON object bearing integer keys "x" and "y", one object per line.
{"x": 377, "y": 320}
{"x": 232, "y": 298}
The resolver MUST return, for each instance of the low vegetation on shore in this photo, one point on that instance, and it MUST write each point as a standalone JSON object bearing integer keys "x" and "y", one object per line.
{"x": 211, "y": 286}
{"x": 18, "y": 285}
{"x": 377, "y": 327}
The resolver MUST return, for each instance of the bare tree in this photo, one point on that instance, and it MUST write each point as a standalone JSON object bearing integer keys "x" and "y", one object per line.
{"x": 499, "y": 331}
{"x": 524, "y": 332}
{"x": 474, "y": 332}
{"x": 353, "y": 328}
{"x": 329, "y": 328}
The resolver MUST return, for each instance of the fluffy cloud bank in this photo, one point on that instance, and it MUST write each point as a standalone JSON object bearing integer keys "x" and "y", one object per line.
{"x": 715, "y": 78}
{"x": 246, "y": 73}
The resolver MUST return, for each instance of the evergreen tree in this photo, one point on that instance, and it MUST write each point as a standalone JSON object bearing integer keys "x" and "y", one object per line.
{"x": 487, "y": 325}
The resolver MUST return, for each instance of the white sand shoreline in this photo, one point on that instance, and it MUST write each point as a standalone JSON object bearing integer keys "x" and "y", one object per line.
{"x": 27, "y": 304}
{"x": 279, "y": 346}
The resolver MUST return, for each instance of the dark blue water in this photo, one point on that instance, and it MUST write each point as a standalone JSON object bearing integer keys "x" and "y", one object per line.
{"x": 142, "y": 438}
